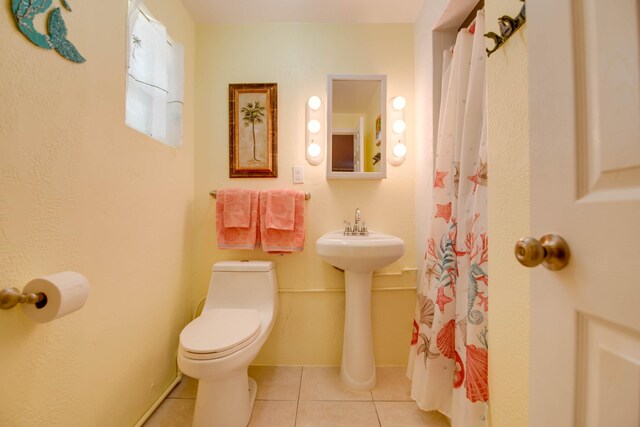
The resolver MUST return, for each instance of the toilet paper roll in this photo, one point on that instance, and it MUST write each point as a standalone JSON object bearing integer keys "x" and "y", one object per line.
{"x": 65, "y": 293}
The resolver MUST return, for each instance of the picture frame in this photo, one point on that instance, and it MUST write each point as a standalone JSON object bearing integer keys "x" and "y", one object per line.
{"x": 253, "y": 130}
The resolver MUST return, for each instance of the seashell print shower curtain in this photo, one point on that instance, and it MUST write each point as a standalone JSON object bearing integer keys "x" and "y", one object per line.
{"x": 449, "y": 346}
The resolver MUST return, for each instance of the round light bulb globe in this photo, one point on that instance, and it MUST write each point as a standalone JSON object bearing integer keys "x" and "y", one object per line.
{"x": 399, "y": 127}
{"x": 399, "y": 103}
{"x": 314, "y": 103}
{"x": 400, "y": 150}
{"x": 313, "y": 150}
{"x": 313, "y": 126}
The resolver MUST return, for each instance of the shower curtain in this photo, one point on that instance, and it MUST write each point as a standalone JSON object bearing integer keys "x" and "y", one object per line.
{"x": 449, "y": 345}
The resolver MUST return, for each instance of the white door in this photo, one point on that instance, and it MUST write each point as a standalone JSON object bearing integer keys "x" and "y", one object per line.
{"x": 585, "y": 171}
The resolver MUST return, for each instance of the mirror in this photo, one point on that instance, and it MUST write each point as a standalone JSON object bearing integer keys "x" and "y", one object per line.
{"x": 356, "y": 127}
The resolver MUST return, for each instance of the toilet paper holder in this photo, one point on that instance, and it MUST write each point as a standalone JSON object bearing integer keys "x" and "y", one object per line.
{"x": 10, "y": 297}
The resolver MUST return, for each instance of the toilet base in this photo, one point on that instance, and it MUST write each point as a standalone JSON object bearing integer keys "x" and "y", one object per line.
{"x": 225, "y": 403}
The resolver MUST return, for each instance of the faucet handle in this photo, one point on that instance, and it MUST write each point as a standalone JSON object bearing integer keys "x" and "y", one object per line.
{"x": 363, "y": 229}
{"x": 347, "y": 227}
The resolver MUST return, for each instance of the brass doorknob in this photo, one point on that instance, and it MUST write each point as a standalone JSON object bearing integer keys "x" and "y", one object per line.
{"x": 551, "y": 251}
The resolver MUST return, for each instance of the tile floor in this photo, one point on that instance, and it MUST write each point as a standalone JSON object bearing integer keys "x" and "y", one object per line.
{"x": 311, "y": 397}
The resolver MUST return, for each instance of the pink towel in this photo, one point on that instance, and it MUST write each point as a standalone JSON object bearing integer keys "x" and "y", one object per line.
{"x": 282, "y": 241}
{"x": 281, "y": 209}
{"x": 237, "y": 207}
{"x": 238, "y": 237}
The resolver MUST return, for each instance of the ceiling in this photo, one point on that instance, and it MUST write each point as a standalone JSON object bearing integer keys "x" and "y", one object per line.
{"x": 303, "y": 11}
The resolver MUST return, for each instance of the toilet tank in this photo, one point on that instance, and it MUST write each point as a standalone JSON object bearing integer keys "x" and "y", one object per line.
{"x": 243, "y": 284}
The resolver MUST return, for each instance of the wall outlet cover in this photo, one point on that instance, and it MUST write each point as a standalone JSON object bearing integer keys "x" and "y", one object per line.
{"x": 298, "y": 174}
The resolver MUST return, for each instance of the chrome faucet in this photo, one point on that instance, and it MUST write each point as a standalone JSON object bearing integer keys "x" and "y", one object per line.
{"x": 358, "y": 229}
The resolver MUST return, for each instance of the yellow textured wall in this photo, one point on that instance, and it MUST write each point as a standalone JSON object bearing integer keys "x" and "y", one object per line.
{"x": 299, "y": 57}
{"x": 81, "y": 191}
{"x": 508, "y": 136}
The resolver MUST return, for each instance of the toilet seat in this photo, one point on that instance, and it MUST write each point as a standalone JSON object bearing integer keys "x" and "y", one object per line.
{"x": 219, "y": 332}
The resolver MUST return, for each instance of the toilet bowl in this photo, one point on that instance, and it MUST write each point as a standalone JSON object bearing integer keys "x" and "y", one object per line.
{"x": 217, "y": 347}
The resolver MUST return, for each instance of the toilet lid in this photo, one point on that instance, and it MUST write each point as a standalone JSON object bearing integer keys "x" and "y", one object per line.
{"x": 218, "y": 332}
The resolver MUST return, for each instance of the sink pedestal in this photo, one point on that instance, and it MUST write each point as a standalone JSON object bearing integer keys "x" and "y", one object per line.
{"x": 358, "y": 366}
{"x": 358, "y": 256}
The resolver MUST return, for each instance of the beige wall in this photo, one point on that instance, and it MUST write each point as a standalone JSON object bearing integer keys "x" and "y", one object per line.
{"x": 508, "y": 136}
{"x": 80, "y": 191}
{"x": 298, "y": 57}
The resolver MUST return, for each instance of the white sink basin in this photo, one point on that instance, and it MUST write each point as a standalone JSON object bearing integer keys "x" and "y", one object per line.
{"x": 358, "y": 256}
{"x": 359, "y": 253}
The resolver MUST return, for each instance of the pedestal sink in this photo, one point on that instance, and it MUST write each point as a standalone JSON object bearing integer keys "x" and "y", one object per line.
{"x": 358, "y": 256}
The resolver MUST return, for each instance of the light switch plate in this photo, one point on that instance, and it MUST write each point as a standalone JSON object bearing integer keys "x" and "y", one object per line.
{"x": 298, "y": 174}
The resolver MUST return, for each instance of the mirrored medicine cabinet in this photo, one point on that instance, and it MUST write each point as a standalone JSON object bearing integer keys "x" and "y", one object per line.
{"x": 356, "y": 122}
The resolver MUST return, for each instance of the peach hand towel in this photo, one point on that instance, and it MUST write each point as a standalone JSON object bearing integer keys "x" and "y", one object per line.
{"x": 237, "y": 207}
{"x": 238, "y": 237}
{"x": 283, "y": 241}
{"x": 281, "y": 209}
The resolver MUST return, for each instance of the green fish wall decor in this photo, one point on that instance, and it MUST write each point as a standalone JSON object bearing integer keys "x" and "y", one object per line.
{"x": 24, "y": 11}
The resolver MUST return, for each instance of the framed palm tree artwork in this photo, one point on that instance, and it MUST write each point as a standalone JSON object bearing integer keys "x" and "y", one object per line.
{"x": 253, "y": 130}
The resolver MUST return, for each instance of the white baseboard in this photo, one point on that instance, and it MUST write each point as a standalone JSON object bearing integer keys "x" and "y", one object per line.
{"x": 158, "y": 402}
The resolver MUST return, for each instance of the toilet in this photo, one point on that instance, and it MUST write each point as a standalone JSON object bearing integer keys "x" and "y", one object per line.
{"x": 217, "y": 347}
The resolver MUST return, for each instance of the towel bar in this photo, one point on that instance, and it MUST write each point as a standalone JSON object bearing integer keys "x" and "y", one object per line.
{"x": 214, "y": 194}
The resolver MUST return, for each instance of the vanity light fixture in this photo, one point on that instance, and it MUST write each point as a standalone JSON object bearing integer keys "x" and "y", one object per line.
{"x": 314, "y": 103}
{"x": 313, "y": 131}
{"x": 313, "y": 126}
{"x": 400, "y": 150}
{"x": 398, "y": 127}
{"x": 398, "y": 103}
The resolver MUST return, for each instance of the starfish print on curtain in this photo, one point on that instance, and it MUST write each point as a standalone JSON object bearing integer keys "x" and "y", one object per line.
{"x": 438, "y": 182}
